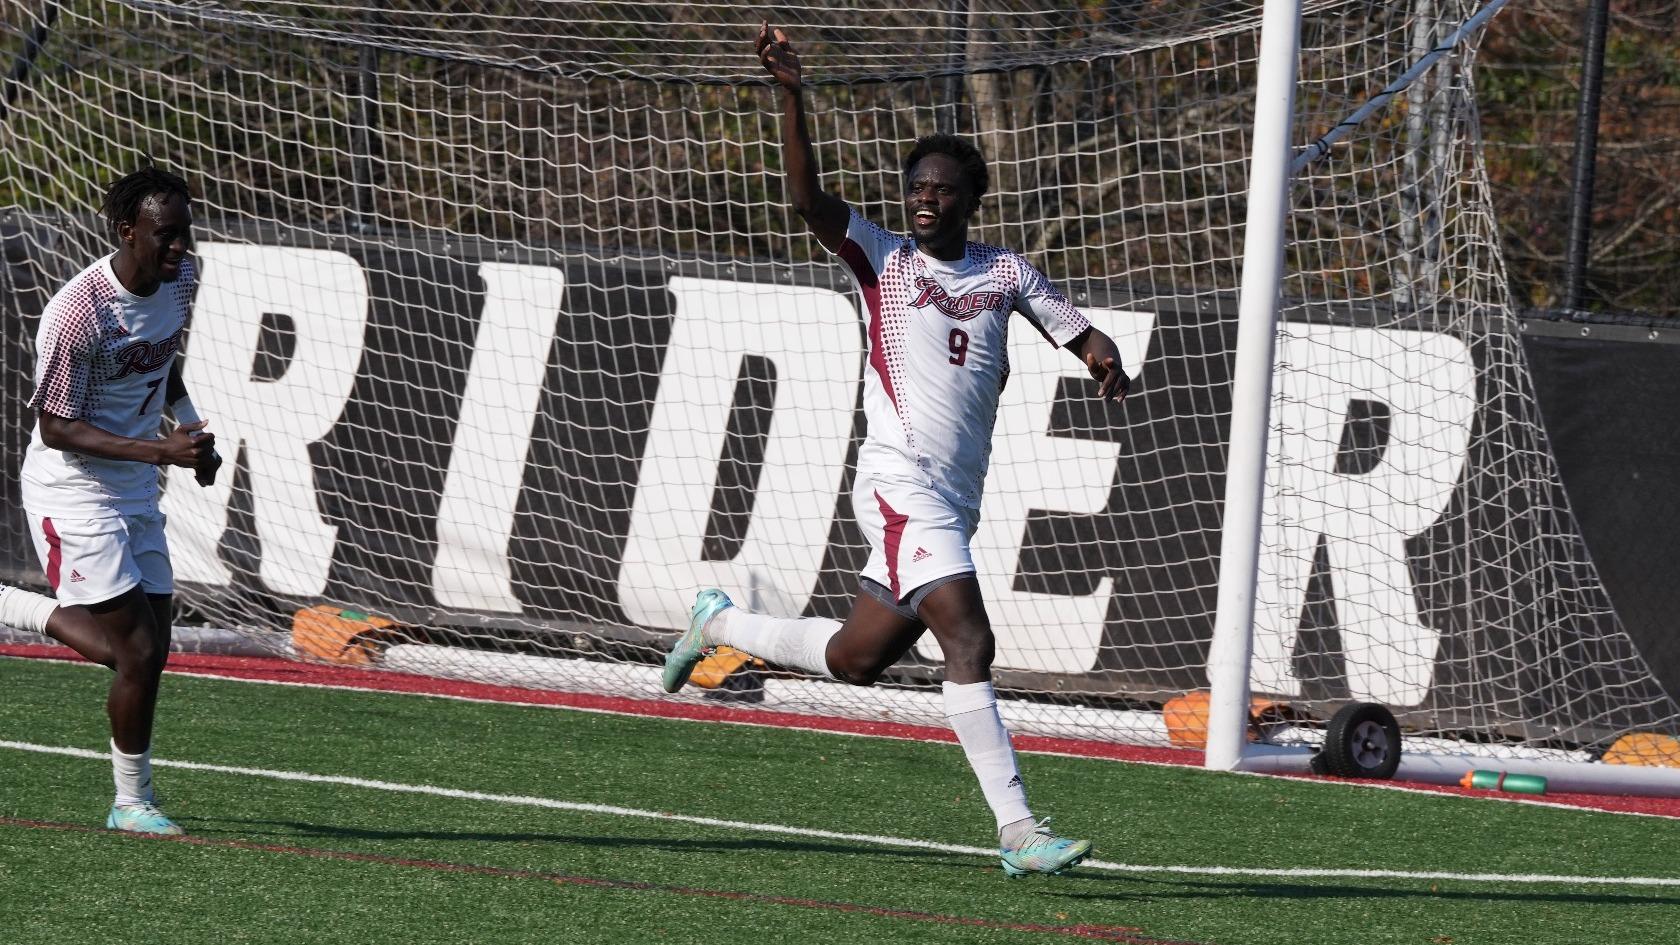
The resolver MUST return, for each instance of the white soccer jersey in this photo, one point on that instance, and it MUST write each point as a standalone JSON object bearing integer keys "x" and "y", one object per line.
{"x": 103, "y": 355}
{"x": 939, "y": 355}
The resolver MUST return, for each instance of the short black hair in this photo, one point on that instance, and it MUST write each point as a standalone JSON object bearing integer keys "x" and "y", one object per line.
{"x": 130, "y": 191}
{"x": 957, "y": 149}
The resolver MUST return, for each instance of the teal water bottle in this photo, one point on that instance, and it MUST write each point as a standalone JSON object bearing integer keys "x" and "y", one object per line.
{"x": 1503, "y": 781}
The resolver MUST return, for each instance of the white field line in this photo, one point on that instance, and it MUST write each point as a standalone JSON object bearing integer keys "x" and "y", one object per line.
{"x": 873, "y": 839}
{"x": 625, "y": 713}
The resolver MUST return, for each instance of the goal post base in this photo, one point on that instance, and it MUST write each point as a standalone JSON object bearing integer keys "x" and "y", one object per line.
{"x": 1562, "y": 777}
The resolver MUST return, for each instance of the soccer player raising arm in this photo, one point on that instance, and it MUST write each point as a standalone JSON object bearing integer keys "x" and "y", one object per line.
{"x": 105, "y": 368}
{"x": 937, "y": 310}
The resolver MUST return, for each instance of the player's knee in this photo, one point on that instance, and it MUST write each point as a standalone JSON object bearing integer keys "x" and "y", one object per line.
{"x": 969, "y": 656}
{"x": 852, "y": 677}
{"x": 853, "y": 671}
{"x": 971, "y": 643}
{"x": 139, "y": 654}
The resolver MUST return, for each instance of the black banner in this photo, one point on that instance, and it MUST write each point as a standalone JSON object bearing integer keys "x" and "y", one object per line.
{"x": 551, "y": 445}
{"x": 1609, "y": 394}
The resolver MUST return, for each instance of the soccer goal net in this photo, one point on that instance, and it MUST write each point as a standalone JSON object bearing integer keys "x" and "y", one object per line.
{"x": 510, "y": 338}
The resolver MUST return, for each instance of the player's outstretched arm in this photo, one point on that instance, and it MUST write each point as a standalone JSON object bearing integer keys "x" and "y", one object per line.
{"x": 1102, "y": 359}
{"x": 826, "y": 214}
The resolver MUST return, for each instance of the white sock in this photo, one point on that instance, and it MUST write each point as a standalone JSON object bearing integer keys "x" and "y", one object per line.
{"x": 1011, "y": 835}
{"x": 793, "y": 642}
{"x": 133, "y": 774}
{"x": 25, "y": 610}
{"x": 971, "y": 708}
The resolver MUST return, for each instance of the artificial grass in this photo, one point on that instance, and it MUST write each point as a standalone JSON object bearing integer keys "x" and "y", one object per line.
{"x": 73, "y": 886}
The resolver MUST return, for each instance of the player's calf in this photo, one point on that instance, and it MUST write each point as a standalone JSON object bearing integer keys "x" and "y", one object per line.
{"x": 25, "y": 610}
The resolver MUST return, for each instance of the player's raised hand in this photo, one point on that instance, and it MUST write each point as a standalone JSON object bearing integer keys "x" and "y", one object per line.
{"x": 1112, "y": 382}
{"x": 209, "y": 461}
{"x": 776, "y": 54}
{"x": 187, "y": 444}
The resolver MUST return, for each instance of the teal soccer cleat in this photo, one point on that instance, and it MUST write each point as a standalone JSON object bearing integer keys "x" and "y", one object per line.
{"x": 691, "y": 647}
{"x": 142, "y": 818}
{"x": 1044, "y": 852}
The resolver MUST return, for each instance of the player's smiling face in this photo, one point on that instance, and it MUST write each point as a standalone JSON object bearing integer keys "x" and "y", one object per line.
{"x": 159, "y": 238}
{"x": 938, "y": 202}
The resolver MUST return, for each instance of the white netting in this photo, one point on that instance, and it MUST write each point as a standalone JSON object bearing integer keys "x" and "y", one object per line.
{"x": 700, "y": 41}
{"x": 523, "y": 344}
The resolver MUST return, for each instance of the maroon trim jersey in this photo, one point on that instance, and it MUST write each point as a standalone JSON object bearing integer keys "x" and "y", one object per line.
{"x": 938, "y": 353}
{"x": 103, "y": 355}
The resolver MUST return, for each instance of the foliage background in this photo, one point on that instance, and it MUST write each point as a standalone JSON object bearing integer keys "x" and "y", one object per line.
{"x": 1528, "y": 74}
{"x": 1529, "y": 78}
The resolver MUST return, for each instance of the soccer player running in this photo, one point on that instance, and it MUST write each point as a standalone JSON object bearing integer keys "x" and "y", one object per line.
{"x": 937, "y": 314}
{"x": 105, "y": 367}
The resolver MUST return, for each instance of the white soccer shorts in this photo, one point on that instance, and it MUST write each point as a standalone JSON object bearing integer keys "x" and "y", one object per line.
{"x": 915, "y": 535}
{"x": 88, "y": 561}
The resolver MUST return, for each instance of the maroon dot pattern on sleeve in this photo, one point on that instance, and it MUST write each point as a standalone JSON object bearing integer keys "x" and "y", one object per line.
{"x": 76, "y": 320}
{"x": 184, "y": 284}
{"x": 1048, "y": 301}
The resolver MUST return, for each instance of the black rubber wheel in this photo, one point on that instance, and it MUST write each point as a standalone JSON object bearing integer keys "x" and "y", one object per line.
{"x": 1362, "y": 741}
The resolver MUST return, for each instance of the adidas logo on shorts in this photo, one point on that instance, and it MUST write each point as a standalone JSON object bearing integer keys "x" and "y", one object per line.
{"x": 75, "y": 576}
{"x": 922, "y": 554}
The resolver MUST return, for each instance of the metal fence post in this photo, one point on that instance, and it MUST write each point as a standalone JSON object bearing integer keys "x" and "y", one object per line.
{"x": 1586, "y": 156}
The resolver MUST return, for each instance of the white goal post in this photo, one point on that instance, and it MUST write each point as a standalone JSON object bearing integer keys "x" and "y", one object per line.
{"x": 1231, "y": 662}
{"x": 514, "y": 344}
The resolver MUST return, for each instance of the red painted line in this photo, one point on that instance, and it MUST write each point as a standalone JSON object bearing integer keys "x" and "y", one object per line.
{"x": 279, "y": 670}
{"x": 267, "y": 669}
{"x": 1106, "y": 933}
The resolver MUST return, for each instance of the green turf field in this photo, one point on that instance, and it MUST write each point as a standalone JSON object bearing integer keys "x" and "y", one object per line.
{"x": 332, "y": 816}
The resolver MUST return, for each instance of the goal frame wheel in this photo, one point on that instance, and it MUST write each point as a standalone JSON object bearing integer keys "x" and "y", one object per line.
{"x": 1361, "y": 741}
